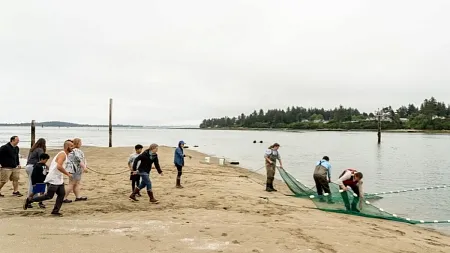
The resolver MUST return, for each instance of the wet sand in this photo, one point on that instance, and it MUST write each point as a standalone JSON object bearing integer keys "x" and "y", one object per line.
{"x": 221, "y": 209}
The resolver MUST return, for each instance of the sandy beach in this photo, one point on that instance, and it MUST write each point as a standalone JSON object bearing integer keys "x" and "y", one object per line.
{"x": 221, "y": 209}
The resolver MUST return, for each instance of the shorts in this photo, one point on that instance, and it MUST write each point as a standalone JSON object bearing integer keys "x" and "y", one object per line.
{"x": 76, "y": 177}
{"x": 39, "y": 188}
{"x": 9, "y": 175}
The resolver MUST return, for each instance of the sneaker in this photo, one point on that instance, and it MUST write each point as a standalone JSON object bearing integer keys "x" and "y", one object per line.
{"x": 81, "y": 199}
{"x": 18, "y": 194}
{"x": 67, "y": 201}
{"x": 139, "y": 195}
{"x": 58, "y": 214}
{"x": 1, "y": 195}
{"x": 41, "y": 205}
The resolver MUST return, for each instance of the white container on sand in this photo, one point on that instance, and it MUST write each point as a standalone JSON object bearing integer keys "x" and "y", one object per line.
{"x": 221, "y": 161}
{"x": 207, "y": 159}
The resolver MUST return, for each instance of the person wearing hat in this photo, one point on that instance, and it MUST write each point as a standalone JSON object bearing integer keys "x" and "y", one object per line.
{"x": 178, "y": 160}
{"x": 270, "y": 157}
{"x": 322, "y": 176}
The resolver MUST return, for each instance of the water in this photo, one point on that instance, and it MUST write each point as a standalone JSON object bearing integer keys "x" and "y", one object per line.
{"x": 402, "y": 161}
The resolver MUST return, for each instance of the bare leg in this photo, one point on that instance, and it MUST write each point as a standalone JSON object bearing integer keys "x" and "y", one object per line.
{"x": 69, "y": 189}
{"x": 77, "y": 189}
{"x": 16, "y": 186}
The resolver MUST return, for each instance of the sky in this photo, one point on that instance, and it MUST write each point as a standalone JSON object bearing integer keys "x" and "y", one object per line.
{"x": 177, "y": 62}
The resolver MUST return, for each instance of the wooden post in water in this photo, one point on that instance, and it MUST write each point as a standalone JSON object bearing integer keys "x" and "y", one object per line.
{"x": 110, "y": 122}
{"x": 379, "y": 126}
{"x": 33, "y": 133}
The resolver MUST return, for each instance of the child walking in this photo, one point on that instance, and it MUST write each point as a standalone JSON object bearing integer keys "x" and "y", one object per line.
{"x": 38, "y": 175}
{"x": 134, "y": 177}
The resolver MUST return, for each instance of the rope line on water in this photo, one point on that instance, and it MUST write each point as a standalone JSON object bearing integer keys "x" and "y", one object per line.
{"x": 410, "y": 190}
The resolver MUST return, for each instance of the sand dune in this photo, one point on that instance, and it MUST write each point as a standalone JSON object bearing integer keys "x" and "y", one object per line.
{"x": 221, "y": 209}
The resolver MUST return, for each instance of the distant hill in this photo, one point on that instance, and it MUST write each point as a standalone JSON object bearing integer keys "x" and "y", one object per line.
{"x": 63, "y": 124}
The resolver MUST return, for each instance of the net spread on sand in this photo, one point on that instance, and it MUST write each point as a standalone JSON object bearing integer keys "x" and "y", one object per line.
{"x": 347, "y": 202}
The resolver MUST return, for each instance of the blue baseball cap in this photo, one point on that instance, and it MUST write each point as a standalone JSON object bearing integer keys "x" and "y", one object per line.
{"x": 181, "y": 143}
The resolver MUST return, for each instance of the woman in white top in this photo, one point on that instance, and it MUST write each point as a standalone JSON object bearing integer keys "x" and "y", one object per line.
{"x": 76, "y": 166}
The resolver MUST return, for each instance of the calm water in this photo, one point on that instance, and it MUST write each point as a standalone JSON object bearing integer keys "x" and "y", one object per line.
{"x": 402, "y": 161}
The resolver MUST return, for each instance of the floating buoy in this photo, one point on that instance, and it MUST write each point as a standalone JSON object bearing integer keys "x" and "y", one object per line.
{"x": 186, "y": 147}
{"x": 260, "y": 141}
{"x": 195, "y": 146}
{"x": 234, "y": 163}
{"x": 254, "y": 141}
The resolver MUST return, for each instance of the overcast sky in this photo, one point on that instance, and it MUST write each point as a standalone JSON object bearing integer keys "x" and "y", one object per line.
{"x": 177, "y": 62}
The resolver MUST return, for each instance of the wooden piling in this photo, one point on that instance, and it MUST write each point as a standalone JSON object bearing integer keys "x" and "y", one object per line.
{"x": 110, "y": 122}
{"x": 33, "y": 133}
{"x": 379, "y": 127}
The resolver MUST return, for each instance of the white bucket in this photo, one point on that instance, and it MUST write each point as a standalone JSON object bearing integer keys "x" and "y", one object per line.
{"x": 207, "y": 159}
{"x": 221, "y": 161}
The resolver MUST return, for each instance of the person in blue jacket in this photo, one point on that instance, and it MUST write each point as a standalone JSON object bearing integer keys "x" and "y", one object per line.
{"x": 178, "y": 160}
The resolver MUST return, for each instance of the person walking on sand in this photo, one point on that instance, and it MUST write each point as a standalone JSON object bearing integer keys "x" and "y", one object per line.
{"x": 146, "y": 159}
{"x": 76, "y": 166}
{"x": 37, "y": 177}
{"x": 353, "y": 179}
{"x": 134, "y": 177}
{"x": 321, "y": 172}
{"x": 270, "y": 157}
{"x": 55, "y": 180}
{"x": 10, "y": 165}
{"x": 34, "y": 155}
{"x": 178, "y": 160}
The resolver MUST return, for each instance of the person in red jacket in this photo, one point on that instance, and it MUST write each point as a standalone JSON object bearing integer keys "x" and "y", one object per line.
{"x": 353, "y": 179}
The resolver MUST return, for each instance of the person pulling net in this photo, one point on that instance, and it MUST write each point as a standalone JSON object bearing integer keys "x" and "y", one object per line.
{"x": 353, "y": 179}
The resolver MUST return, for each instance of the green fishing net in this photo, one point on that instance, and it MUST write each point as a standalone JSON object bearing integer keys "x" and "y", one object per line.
{"x": 344, "y": 201}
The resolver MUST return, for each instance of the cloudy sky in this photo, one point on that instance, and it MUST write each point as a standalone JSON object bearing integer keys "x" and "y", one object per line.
{"x": 177, "y": 62}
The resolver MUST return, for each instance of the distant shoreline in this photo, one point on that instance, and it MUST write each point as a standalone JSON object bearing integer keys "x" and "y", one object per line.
{"x": 333, "y": 130}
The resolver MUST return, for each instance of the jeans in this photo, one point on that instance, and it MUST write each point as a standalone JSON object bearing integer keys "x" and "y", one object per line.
{"x": 29, "y": 170}
{"x": 51, "y": 190}
{"x": 145, "y": 181}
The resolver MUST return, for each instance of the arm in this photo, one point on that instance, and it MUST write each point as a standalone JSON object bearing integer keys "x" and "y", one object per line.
{"x": 17, "y": 157}
{"x": 329, "y": 173}
{"x": 136, "y": 162}
{"x": 279, "y": 160}
{"x": 266, "y": 157}
{"x": 344, "y": 177}
{"x": 130, "y": 162}
{"x": 59, "y": 164}
{"x": 158, "y": 168}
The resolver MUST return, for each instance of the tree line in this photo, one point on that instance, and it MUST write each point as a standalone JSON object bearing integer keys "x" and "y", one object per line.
{"x": 430, "y": 115}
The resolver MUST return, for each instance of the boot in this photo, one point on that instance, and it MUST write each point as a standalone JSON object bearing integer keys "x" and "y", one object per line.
{"x": 133, "y": 195}
{"x": 268, "y": 188}
{"x": 273, "y": 189}
{"x": 179, "y": 183}
{"x": 321, "y": 198}
{"x": 152, "y": 199}
{"x": 330, "y": 199}
{"x": 355, "y": 205}
{"x": 346, "y": 202}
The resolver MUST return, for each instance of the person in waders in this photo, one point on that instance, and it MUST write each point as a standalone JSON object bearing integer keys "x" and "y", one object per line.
{"x": 270, "y": 157}
{"x": 321, "y": 172}
{"x": 178, "y": 160}
{"x": 353, "y": 179}
{"x": 146, "y": 159}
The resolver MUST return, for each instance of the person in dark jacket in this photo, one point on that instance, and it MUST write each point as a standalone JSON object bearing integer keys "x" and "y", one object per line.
{"x": 10, "y": 165}
{"x": 37, "y": 178}
{"x": 148, "y": 158}
{"x": 178, "y": 160}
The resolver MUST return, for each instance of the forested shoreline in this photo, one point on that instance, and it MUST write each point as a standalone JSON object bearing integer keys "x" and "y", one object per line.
{"x": 430, "y": 115}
